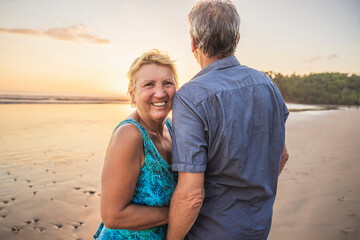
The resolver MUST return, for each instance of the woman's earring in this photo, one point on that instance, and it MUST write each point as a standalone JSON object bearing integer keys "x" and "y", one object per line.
{"x": 133, "y": 105}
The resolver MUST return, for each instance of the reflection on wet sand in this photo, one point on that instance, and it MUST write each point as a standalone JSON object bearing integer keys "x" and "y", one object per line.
{"x": 51, "y": 158}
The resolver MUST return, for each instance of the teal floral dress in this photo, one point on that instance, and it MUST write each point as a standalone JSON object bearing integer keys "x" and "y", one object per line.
{"x": 154, "y": 187}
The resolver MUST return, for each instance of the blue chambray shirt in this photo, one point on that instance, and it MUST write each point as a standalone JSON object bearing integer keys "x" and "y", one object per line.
{"x": 229, "y": 122}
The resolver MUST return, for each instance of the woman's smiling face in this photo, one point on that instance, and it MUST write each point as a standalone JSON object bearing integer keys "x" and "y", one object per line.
{"x": 154, "y": 90}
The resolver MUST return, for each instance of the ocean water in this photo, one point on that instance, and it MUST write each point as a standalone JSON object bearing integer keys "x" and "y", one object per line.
{"x": 19, "y": 98}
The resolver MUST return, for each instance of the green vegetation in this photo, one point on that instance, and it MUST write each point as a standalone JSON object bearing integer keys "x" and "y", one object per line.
{"x": 319, "y": 88}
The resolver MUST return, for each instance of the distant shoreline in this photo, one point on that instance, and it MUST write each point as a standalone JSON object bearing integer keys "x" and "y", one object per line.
{"x": 58, "y": 99}
{"x": 66, "y": 102}
{"x": 52, "y": 99}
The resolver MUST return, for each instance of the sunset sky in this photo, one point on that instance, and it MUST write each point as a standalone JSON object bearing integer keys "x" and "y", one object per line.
{"x": 85, "y": 47}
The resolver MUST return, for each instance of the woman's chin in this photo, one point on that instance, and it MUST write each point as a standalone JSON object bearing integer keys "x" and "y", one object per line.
{"x": 159, "y": 117}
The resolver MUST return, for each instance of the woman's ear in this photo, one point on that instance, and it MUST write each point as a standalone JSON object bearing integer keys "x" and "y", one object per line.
{"x": 132, "y": 97}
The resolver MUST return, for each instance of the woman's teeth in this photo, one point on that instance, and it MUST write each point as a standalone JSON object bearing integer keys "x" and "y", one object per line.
{"x": 160, "y": 104}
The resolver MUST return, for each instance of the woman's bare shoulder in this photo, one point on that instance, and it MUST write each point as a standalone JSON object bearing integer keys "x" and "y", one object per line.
{"x": 128, "y": 132}
{"x": 125, "y": 141}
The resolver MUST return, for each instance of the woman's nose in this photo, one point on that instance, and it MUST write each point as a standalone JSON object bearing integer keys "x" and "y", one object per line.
{"x": 160, "y": 91}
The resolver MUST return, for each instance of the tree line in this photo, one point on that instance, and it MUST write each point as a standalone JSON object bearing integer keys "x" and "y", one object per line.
{"x": 319, "y": 88}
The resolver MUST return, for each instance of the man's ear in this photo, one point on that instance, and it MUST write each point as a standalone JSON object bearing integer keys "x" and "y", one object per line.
{"x": 193, "y": 45}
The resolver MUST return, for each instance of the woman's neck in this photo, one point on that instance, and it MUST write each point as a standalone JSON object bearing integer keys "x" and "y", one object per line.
{"x": 152, "y": 127}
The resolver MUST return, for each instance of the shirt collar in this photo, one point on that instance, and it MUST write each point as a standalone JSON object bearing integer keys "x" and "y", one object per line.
{"x": 222, "y": 63}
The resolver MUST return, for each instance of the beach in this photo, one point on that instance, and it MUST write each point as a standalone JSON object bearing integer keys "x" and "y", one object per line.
{"x": 51, "y": 157}
{"x": 319, "y": 189}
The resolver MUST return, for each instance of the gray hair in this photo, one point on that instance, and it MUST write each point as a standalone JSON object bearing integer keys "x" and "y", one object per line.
{"x": 214, "y": 26}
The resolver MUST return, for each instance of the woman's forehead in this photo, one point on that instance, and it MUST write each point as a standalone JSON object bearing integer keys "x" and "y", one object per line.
{"x": 154, "y": 72}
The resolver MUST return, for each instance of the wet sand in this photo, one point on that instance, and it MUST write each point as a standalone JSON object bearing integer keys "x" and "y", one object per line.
{"x": 51, "y": 158}
{"x": 50, "y": 164}
{"x": 319, "y": 189}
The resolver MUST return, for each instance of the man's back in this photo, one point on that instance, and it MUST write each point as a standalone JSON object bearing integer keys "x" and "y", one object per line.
{"x": 229, "y": 122}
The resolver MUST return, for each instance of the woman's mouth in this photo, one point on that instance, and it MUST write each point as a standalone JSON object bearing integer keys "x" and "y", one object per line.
{"x": 159, "y": 104}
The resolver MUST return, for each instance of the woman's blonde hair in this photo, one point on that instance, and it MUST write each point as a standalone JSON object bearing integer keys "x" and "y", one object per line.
{"x": 153, "y": 56}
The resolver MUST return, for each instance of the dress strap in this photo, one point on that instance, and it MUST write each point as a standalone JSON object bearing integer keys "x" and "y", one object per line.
{"x": 169, "y": 126}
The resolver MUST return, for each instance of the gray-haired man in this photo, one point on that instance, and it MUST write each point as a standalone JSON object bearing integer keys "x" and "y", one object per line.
{"x": 229, "y": 137}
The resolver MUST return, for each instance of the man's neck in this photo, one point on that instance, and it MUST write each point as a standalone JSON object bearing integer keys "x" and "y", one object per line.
{"x": 204, "y": 60}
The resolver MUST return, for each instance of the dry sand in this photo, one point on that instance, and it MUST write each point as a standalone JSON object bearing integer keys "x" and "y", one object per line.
{"x": 319, "y": 189}
{"x": 51, "y": 158}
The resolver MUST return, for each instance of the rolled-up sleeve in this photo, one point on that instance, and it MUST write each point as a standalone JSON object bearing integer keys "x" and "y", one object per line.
{"x": 189, "y": 152}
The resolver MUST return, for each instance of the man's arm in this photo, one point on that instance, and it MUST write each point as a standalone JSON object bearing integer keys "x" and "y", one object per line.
{"x": 185, "y": 204}
{"x": 284, "y": 158}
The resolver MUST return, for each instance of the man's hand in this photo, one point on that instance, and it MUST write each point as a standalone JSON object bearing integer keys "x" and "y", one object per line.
{"x": 284, "y": 158}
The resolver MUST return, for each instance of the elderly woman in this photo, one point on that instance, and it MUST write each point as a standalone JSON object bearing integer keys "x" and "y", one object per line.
{"x": 137, "y": 180}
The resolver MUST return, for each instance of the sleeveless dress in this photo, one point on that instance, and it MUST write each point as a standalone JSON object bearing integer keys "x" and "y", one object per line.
{"x": 154, "y": 187}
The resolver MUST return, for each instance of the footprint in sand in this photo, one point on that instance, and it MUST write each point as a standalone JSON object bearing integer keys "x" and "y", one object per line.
{"x": 1, "y": 208}
{"x": 85, "y": 205}
{"x": 3, "y": 216}
{"x": 54, "y": 182}
{"x": 77, "y": 188}
{"x": 347, "y": 231}
{"x": 15, "y": 229}
{"x": 78, "y": 224}
{"x": 302, "y": 173}
{"x": 5, "y": 201}
{"x": 58, "y": 225}
{"x": 13, "y": 199}
{"x": 351, "y": 214}
{"x": 35, "y": 192}
{"x": 36, "y": 220}
{"x": 344, "y": 198}
{"x": 8, "y": 173}
{"x": 28, "y": 222}
{"x": 90, "y": 192}
{"x": 30, "y": 186}
{"x": 41, "y": 229}
{"x": 28, "y": 181}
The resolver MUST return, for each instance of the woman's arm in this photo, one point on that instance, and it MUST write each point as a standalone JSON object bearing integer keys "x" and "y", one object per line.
{"x": 120, "y": 173}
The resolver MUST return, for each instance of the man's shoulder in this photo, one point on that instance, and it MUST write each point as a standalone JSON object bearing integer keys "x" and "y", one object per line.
{"x": 255, "y": 74}
{"x": 211, "y": 83}
{"x": 195, "y": 90}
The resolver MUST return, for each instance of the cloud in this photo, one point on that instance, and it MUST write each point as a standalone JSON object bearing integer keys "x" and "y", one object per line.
{"x": 77, "y": 33}
{"x": 20, "y": 31}
{"x": 332, "y": 56}
{"x": 313, "y": 60}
